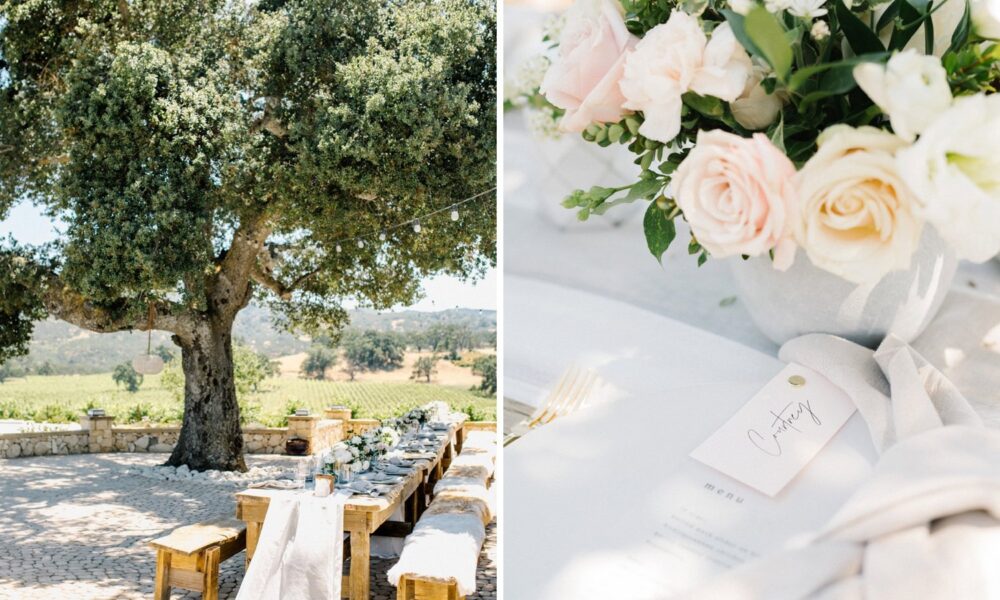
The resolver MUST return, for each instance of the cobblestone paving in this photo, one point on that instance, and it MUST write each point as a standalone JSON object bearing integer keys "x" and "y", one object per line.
{"x": 77, "y": 527}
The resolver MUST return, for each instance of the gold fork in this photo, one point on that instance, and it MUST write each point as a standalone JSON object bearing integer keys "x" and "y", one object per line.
{"x": 568, "y": 395}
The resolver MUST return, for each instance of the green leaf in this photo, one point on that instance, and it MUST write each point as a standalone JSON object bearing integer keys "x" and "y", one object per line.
{"x": 615, "y": 132}
{"x": 767, "y": 34}
{"x": 737, "y": 24}
{"x": 861, "y": 38}
{"x": 727, "y": 301}
{"x": 802, "y": 76}
{"x": 912, "y": 19}
{"x": 644, "y": 189}
{"x": 961, "y": 34}
{"x": 890, "y": 14}
{"x": 777, "y": 135}
{"x": 660, "y": 231}
{"x": 709, "y": 106}
{"x": 702, "y": 258}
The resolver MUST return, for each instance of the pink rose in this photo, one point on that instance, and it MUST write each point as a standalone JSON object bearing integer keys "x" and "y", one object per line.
{"x": 583, "y": 80}
{"x": 738, "y": 196}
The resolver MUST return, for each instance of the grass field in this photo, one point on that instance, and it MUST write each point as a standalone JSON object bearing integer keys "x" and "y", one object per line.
{"x": 63, "y": 398}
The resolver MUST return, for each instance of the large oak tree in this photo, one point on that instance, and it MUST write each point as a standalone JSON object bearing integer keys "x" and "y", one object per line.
{"x": 205, "y": 153}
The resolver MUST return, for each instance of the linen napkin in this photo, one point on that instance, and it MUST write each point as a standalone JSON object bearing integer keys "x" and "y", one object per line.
{"x": 300, "y": 552}
{"x": 926, "y": 524}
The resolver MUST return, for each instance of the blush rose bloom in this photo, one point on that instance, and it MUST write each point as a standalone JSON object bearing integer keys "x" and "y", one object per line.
{"x": 857, "y": 217}
{"x": 738, "y": 196}
{"x": 675, "y": 58}
{"x": 583, "y": 80}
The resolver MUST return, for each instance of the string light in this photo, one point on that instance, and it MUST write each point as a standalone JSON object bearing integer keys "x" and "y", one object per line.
{"x": 415, "y": 223}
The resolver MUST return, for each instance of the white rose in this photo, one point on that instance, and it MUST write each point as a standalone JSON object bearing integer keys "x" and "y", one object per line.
{"x": 954, "y": 170}
{"x": 986, "y": 18}
{"x": 857, "y": 217}
{"x": 674, "y": 58}
{"x": 912, "y": 89}
{"x": 755, "y": 109}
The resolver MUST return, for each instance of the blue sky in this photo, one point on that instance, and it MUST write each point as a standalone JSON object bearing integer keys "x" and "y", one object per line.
{"x": 29, "y": 226}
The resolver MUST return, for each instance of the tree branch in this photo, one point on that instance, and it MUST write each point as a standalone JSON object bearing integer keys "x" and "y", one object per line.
{"x": 63, "y": 303}
{"x": 267, "y": 280}
{"x": 267, "y": 122}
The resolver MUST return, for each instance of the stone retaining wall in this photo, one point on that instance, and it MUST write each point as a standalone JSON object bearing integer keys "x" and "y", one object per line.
{"x": 144, "y": 439}
{"x": 98, "y": 434}
{"x": 44, "y": 443}
{"x": 264, "y": 440}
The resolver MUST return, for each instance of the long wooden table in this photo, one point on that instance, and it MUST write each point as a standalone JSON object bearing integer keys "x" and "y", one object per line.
{"x": 363, "y": 515}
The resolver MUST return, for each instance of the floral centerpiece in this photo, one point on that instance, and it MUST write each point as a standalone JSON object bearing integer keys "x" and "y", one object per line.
{"x": 358, "y": 452}
{"x": 839, "y": 130}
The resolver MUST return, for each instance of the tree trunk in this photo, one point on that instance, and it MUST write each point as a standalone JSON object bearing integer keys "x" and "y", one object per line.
{"x": 211, "y": 437}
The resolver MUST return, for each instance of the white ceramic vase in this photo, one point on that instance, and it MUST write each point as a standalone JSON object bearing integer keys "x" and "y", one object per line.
{"x": 807, "y": 299}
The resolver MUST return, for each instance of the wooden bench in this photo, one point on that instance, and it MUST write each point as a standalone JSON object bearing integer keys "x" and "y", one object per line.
{"x": 412, "y": 587}
{"x": 189, "y": 557}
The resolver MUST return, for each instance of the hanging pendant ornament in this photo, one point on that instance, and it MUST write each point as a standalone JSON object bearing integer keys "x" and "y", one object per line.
{"x": 339, "y": 249}
{"x": 148, "y": 363}
{"x": 416, "y": 227}
{"x": 361, "y": 243}
{"x": 454, "y": 214}
{"x": 381, "y": 237}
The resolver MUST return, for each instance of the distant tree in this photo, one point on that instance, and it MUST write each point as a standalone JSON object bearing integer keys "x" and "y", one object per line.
{"x": 417, "y": 340}
{"x": 165, "y": 353}
{"x": 7, "y": 370}
{"x": 486, "y": 367}
{"x": 425, "y": 368}
{"x": 125, "y": 375}
{"x": 371, "y": 350}
{"x": 45, "y": 369}
{"x": 450, "y": 339}
{"x": 318, "y": 360}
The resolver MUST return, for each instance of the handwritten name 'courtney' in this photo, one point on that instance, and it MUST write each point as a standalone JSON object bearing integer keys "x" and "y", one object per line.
{"x": 785, "y": 420}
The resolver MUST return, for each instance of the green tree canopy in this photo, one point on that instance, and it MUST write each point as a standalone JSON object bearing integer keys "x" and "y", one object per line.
{"x": 199, "y": 153}
{"x": 486, "y": 367}
{"x": 125, "y": 374}
{"x": 371, "y": 350}
{"x": 425, "y": 368}
{"x": 318, "y": 359}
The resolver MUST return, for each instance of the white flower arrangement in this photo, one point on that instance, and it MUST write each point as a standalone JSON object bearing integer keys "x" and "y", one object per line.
{"x": 841, "y": 129}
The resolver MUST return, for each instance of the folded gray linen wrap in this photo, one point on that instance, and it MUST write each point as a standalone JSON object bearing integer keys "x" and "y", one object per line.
{"x": 927, "y": 523}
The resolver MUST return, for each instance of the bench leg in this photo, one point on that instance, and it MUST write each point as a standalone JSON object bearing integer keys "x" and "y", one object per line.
{"x": 360, "y": 565}
{"x": 211, "y": 574}
{"x": 162, "y": 589}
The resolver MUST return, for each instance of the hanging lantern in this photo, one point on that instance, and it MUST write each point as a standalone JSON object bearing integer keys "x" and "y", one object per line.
{"x": 454, "y": 214}
{"x": 381, "y": 237}
{"x": 338, "y": 248}
{"x": 148, "y": 363}
{"x": 416, "y": 227}
{"x": 361, "y": 243}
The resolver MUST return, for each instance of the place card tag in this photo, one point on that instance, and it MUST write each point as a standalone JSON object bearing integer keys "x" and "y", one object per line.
{"x": 778, "y": 431}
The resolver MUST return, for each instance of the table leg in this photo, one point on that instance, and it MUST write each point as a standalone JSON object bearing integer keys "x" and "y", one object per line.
{"x": 162, "y": 589}
{"x": 253, "y": 534}
{"x": 360, "y": 564}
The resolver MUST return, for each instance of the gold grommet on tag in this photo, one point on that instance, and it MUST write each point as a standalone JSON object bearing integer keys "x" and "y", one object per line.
{"x": 797, "y": 380}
